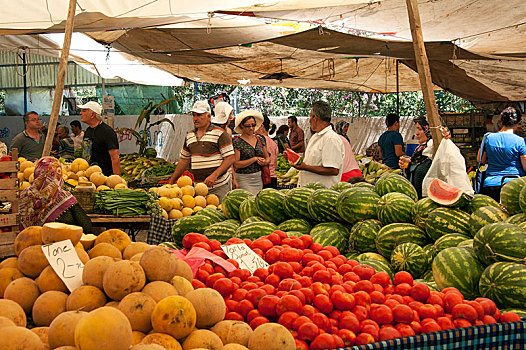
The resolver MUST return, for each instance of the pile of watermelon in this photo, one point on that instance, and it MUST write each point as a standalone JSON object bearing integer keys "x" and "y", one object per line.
{"x": 328, "y": 301}
{"x": 469, "y": 243}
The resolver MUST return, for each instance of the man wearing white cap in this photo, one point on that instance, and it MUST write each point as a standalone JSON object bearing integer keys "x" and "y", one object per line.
{"x": 100, "y": 145}
{"x": 208, "y": 150}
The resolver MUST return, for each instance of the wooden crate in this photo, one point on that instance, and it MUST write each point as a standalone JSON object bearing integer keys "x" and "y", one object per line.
{"x": 9, "y": 220}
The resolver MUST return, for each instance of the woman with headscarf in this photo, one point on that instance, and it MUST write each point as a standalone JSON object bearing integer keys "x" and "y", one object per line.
{"x": 250, "y": 151}
{"x": 46, "y": 201}
{"x": 341, "y": 128}
{"x": 282, "y": 139}
{"x": 272, "y": 148}
{"x": 505, "y": 154}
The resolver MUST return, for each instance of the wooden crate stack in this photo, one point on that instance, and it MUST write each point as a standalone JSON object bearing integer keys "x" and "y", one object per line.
{"x": 9, "y": 192}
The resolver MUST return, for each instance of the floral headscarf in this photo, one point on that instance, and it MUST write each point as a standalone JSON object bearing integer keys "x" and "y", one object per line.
{"x": 418, "y": 156}
{"x": 45, "y": 199}
{"x": 339, "y": 128}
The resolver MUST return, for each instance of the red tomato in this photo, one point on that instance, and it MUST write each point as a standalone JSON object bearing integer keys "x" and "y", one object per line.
{"x": 192, "y": 238}
{"x": 325, "y": 254}
{"x": 351, "y": 276}
{"x": 415, "y": 305}
{"x": 267, "y": 305}
{"x": 417, "y": 327}
{"x": 287, "y": 319}
{"x": 405, "y": 330}
{"x": 258, "y": 321}
{"x": 283, "y": 270}
{"x": 391, "y": 303}
{"x": 364, "y": 285}
{"x": 301, "y": 345}
{"x": 234, "y": 316}
{"x": 308, "y": 310}
{"x": 203, "y": 245}
{"x": 402, "y": 289}
{"x": 488, "y": 305}
{"x": 252, "y": 314}
{"x": 343, "y": 301}
{"x": 274, "y": 238}
{"x": 323, "y": 303}
{"x": 289, "y": 284}
{"x": 322, "y": 342}
{"x": 307, "y": 330}
{"x": 435, "y": 298}
{"x": 241, "y": 273}
{"x": 316, "y": 247}
{"x": 360, "y": 312}
{"x": 348, "y": 337}
{"x": 362, "y": 298}
{"x": 307, "y": 240}
{"x": 403, "y": 314}
{"x": 387, "y": 333}
{"x": 381, "y": 277}
{"x": 210, "y": 280}
{"x": 363, "y": 339}
{"x": 273, "y": 280}
{"x": 427, "y": 311}
{"x": 244, "y": 307}
{"x": 445, "y": 323}
{"x": 351, "y": 323}
{"x": 381, "y": 314}
{"x": 403, "y": 277}
{"x": 300, "y": 321}
{"x": 364, "y": 271}
{"x": 377, "y": 297}
{"x": 487, "y": 319}
{"x": 201, "y": 275}
{"x": 255, "y": 295}
{"x": 431, "y": 326}
{"x": 478, "y": 307}
{"x": 215, "y": 244}
{"x": 262, "y": 243}
{"x": 321, "y": 320}
{"x": 452, "y": 299}
{"x": 461, "y": 323}
{"x": 420, "y": 292}
{"x": 464, "y": 311}
{"x": 198, "y": 284}
{"x": 289, "y": 303}
{"x": 272, "y": 255}
{"x": 224, "y": 286}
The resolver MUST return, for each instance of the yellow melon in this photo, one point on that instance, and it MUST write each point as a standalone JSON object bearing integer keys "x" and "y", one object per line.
{"x": 184, "y": 181}
{"x": 105, "y": 328}
{"x": 187, "y": 211}
{"x": 23, "y": 291}
{"x": 164, "y": 214}
{"x": 159, "y": 290}
{"x": 159, "y": 339}
{"x": 175, "y": 316}
{"x": 29, "y": 236}
{"x": 135, "y": 248}
{"x": 177, "y": 203}
{"x": 23, "y": 185}
{"x": 182, "y": 285}
{"x": 230, "y": 331}
{"x": 72, "y": 175}
{"x": 175, "y": 192}
{"x": 79, "y": 164}
{"x": 80, "y": 174}
{"x": 209, "y": 306}
{"x": 48, "y": 306}
{"x": 120, "y": 186}
{"x": 202, "y": 338}
{"x": 88, "y": 241}
{"x": 91, "y": 170}
{"x": 20, "y": 176}
{"x": 123, "y": 278}
{"x": 188, "y": 201}
{"x": 105, "y": 249}
{"x": 115, "y": 237}
{"x": 165, "y": 203}
{"x": 85, "y": 298}
{"x": 49, "y": 280}
{"x": 7, "y": 275}
{"x": 42, "y": 333}
{"x": 188, "y": 190}
{"x": 113, "y": 180}
{"x": 26, "y": 164}
{"x": 83, "y": 179}
{"x": 62, "y": 328}
{"x": 13, "y": 311}
{"x": 137, "y": 337}
{"x": 94, "y": 270}
{"x": 200, "y": 201}
{"x": 21, "y": 160}
{"x": 56, "y": 231}
{"x": 212, "y": 199}
{"x": 201, "y": 189}
{"x": 175, "y": 214}
{"x": 98, "y": 178}
{"x": 14, "y": 338}
{"x": 9, "y": 262}
{"x": 6, "y": 322}
{"x": 197, "y": 208}
{"x": 211, "y": 206}
{"x": 32, "y": 261}
{"x": 103, "y": 187}
{"x": 138, "y": 309}
{"x": 31, "y": 178}
{"x": 28, "y": 172}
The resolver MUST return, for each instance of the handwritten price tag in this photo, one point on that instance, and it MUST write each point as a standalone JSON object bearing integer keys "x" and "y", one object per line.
{"x": 245, "y": 257}
{"x": 64, "y": 260}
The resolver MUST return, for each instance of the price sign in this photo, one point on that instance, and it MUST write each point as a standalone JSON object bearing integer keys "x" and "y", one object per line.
{"x": 64, "y": 260}
{"x": 245, "y": 257}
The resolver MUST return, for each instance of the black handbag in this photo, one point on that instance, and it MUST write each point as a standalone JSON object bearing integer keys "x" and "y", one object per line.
{"x": 480, "y": 174}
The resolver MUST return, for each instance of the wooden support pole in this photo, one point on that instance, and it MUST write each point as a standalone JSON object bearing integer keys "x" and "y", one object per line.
{"x": 61, "y": 76}
{"x": 424, "y": 73}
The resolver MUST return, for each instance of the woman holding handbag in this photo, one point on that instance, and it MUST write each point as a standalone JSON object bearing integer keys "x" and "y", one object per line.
{"x": 251, "y": 155}
{"x": 505, "y": 154}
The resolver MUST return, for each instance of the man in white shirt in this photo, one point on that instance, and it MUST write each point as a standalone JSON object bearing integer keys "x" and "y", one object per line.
{"x": 323, "y": 161}
{"x": 77, "y": 134}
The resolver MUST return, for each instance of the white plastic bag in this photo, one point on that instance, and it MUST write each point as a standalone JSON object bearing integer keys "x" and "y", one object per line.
{"x": 450, "y": 166}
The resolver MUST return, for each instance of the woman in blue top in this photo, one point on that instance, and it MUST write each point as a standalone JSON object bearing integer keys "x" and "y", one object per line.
{"x": 505, "y": 154}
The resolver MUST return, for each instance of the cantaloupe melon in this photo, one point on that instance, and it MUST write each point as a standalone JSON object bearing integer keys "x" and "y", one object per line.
{"x": 122, "y": 278}
{"x": 14, "y": 338}
{"x": 155, "y": 257}
{"x": 115, "y": 237}
{"x": 103, "y": 187}
{"x": 9, "y": 262}
{"x": 105, "y": 328}
{"x": 32, "y": 261}
{"x": 81, "y": 253}
{"x": 120, "y": 186}
{"x": 164, "y": 340}
{"x": 187, "y": 211}
{"x": 177, "y": 203}
{"x": 113, "y": 303}
{"x": 105, "y": 249}
{"x": 234, "y": 346}
{"x": 197, "y": 208}
{"x": 159, "y": 290}
{"x": 48, "y": 306}
{"x": 202, "y": 338}
{"x": 175, "y": 316}
{"x": 62, "y": 329}
{"x": 7, "y": 275}
{"x": 182, "y": 285}
{"x": 49, "y": 280}
{"x": 26, "y": 164}
{"x": 28, "y": 172}
{"x": 138, "y": 309}
{"x": 175, "y": 214}
{"x": 113, "y": 180}
{"x": 143, "y": 346}
{"x": 137, "y": 337}
{"x": 42, "y": 333}
{"x": 23, "y": 291}
{"x": 184, "y": 181}
{"x": 6, "y": 322}
{"x": 271, "y": 336}
{"x": 92, "y": 170}
{"x": 29, "y": 236}
{"x": 72, "y": 175}
{"x": 188, "y": 201}
{"x": 94, "y": 270}
{"x": 135, "y": 248}
{"x": 85, "y": 298}
{"x": 165, "y": 203}
{"x": 56, "y": 231}
{"x": 13, "y": 311}
{"x": 175, "y": 192}
{"x": 233, "y": 332}
{"x": 201, "y": 189}
{"x": 200, "y": 201}
{"x": 88, "y": 241}
{"x": 209, "y": 306}
{"x": 98, "y": 179}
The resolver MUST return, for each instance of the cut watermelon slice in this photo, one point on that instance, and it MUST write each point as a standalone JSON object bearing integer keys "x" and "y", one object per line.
{"x": 293, "y": 157}
{"x": 444, "y": 194}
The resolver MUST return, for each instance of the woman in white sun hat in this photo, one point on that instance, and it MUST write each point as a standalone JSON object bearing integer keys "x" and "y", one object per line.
{"x": 250, "y": 151}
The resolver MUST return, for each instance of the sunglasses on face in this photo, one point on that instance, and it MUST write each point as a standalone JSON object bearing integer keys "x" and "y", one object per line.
{"x": 249, "y": 126}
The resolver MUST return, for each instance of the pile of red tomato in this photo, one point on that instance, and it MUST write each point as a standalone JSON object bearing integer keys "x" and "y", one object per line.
{"x": 329, "y": 302}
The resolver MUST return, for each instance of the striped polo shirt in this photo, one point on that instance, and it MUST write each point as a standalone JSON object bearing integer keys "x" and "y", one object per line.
{"x": 207, "y": 154}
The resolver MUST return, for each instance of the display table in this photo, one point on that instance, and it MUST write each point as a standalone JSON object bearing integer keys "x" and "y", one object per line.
{"x": 132, "y": 224}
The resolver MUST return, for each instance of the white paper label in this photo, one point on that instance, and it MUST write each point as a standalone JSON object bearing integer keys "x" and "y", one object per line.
{"x": 63, "y": 258}
{"x": 245, "y": 257}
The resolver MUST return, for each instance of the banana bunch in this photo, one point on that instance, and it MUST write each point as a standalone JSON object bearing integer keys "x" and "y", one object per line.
{"x": 371, "y": 169}
{"x": 289, "y": 178}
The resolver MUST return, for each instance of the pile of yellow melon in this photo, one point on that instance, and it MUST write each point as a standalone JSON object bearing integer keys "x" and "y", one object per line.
{"x": 134, "y": 296}
{"x": 77, "y": 171}
{"x": 183, "y": 198}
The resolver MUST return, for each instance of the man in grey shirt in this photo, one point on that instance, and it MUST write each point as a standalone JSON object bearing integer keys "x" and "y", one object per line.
{"x": 30, "y": 142}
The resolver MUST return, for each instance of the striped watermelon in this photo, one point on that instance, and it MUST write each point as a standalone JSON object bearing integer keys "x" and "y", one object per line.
{"x": 231, "y": 202}
{"x": 269, "y": 204}
{"x": 341, "y": 186}
{"x": 170, "y": 245}
{"x": 252, "y": 219}
{"x": 322, "y": 205}
{"x": 378, "y": 266}
{"x": 504, "y": 283}
{"x": 298, "y": 225}
{"x": 351, "y": 255}
{"x": 409, "y": 257}
{"x": 510, "y": 195}
{"x": 294, "y": 233}
{"x": 421, "y": 210}
{"x": 295, "y": 203}
{"x": 364, "y": 185}
{"x": 516, "y": 219}
{"x": 394, "y": 207}
{"x": 522, "y": 199}
{"x": 459, "y": 268}
{"x": 500, "y": 242}
{"x": 483, "y": 216}
{"x": 448, "y": 241}
{"x": 371, "y": 256}
{"x": 431, "y": 252}
{"x": 215, "y": 215}
{"x": 187, "y": 224}
{"x": 331, "y": 233}
{"x": 395, "y": 183}
{"x": 233, "y": 221}
{"x": 430, "y": 284}
{"x": 247, "y": 208}
{"x": 428, "y": 276}
{"x": 255, "y": 230}
{"x": 466, "y": 244}
{"x": 314, "y": 185}
{"x": 392, "y": 235}
{"x": 445, "y": 220}
{"x": 479, "y": 201}
{"x": 357, "y": 203}
{"x": 363, "y": 234}
{"x": 285, "y": 190}
{"x": 221, "y": 231}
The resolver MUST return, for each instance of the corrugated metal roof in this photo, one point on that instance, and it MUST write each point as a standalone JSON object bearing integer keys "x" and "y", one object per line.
{"x": 43, "y": 73}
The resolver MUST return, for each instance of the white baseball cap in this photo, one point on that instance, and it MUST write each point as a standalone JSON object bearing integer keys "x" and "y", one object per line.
{"x": 94, "y": 106}
{"x": 201, "y": 107}
{"x": 222, "y": 111}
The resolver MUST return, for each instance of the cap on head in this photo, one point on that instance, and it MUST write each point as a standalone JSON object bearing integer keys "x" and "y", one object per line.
{"x": 94, "y": 106}
{"x": 222, "y": 111}
{"x": 200, "y": 107}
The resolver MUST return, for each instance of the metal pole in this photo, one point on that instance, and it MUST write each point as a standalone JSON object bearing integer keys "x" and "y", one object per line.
{"x": 397, "y": 90}
{"x": 195, "y": 91}
{"x": 25, "y": 81}
{"x": 102, "y": 99}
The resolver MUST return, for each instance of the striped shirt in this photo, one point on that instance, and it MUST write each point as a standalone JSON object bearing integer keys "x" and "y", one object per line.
{"x": 207, "y": 153}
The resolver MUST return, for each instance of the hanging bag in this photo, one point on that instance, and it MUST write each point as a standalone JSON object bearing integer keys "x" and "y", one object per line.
{"x": 480, "y": 174}
{"x": 265, "y": 170}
